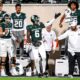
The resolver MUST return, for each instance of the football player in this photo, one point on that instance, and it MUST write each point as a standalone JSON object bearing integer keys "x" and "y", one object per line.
{"x": 34, "y": 36}
{"x": 34, "y": 31}
{"x": 2, "y": 14}
{"x": 6, "y": 46}
{"x": 19, "y": 26}
{"x": 72, "y": 13}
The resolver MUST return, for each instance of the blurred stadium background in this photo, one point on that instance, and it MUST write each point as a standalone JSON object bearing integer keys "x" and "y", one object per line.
{"x": 37, "y": 1}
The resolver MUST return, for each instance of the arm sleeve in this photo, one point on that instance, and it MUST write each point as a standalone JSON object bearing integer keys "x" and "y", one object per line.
{"x": 50, "y": 22}
{"x": 63, "y": 36}
{"x": 43, "y": 35}
{"x": 25, "y": 25}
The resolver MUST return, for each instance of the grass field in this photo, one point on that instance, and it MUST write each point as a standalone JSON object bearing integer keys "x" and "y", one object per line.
{"x": 35, "y": 78}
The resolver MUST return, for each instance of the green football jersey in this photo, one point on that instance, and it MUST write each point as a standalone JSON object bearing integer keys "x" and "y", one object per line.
{"x": 18, "y": 21}
{"x": 35, "y": 32}
{"x": 76, "y": 16}
{"x": 7, "y": 26}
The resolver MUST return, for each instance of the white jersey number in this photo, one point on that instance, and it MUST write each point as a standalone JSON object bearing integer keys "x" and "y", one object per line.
{"x": 37, "y": 34}
{"x": 18, "y": 24}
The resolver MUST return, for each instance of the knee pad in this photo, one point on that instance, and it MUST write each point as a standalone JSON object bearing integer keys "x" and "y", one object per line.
{"x": 13, "y": 61}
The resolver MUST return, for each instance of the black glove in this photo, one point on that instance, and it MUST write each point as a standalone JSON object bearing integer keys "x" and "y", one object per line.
{"x": 57, "y": 15}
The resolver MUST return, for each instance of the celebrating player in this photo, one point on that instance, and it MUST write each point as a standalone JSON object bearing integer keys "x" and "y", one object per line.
{"x": 19, "y": 27}
{"x": 34, "y": 31}
{"x": 72, "y": 13}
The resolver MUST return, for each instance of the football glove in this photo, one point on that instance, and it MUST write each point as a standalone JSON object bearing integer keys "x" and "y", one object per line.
{"x": 57, "y": 15}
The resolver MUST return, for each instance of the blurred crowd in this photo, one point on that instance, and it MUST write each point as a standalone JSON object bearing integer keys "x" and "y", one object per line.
{"x": 37, "y": 1}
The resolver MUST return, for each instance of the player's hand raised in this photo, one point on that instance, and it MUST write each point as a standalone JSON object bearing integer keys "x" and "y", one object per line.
{"x": 57, "y": 15}
{"x": 60, "y": 25}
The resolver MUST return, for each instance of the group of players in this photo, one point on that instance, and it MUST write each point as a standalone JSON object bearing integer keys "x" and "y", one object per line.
{"x": 40, "y": 38}
{"x": 13, "y": 29}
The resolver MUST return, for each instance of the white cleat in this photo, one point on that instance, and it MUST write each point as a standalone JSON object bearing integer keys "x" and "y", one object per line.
{"x": 3, "y": 74}
{"x": 14, "y": 72}
{"x": 70, "y": 76}
{"x": 21, "y": 72}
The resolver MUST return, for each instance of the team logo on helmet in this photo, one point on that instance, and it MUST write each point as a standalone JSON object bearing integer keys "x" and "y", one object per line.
{"x": 35, "y": 18}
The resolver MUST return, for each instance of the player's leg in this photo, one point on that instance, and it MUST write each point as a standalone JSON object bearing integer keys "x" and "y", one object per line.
{"x": 32, "y": 59}
{"x": 12, "y": 58}
{"x": 36, "y": 58}
{"x": 43, "y": 56}
{"x": 21, "y": 39}
{"x": 3, "y": 55}
{"x": 21, "y": 47}
{"x": 0, "y": 64}
{"x": 14, "y": 33}
{"x": 32, "y": 63}
{"x": 3, "y": 73}
{"x": 47, "y": 58}
{"x": 0, "y": 57}
{"x": 78, "y": 60}
{"x": 13, "y": 66}
{"x": 71, "y": 63}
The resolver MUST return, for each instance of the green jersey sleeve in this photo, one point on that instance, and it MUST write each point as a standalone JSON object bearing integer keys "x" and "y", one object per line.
{"x": 42, "y": 25}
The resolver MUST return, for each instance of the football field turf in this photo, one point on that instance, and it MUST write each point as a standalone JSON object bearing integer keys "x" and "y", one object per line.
{"x": 35, "y": 78}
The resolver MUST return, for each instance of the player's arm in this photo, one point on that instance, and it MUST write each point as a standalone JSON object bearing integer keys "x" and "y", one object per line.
{"x": 3, "y": 33}
{"x": 61, "y": 20}
{"x": 43, "y": 35}
{"x": 51, "y": 21}
{"x": 63, "y": 36}
{"x": 12, "y": 36}
{"x": 25, "y": 24}
{"x": 25, "y": 31}
{"x": 28, "y": 37}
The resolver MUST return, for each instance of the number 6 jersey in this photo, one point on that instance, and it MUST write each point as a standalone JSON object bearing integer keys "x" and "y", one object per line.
{"x": 35, "y": 32}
